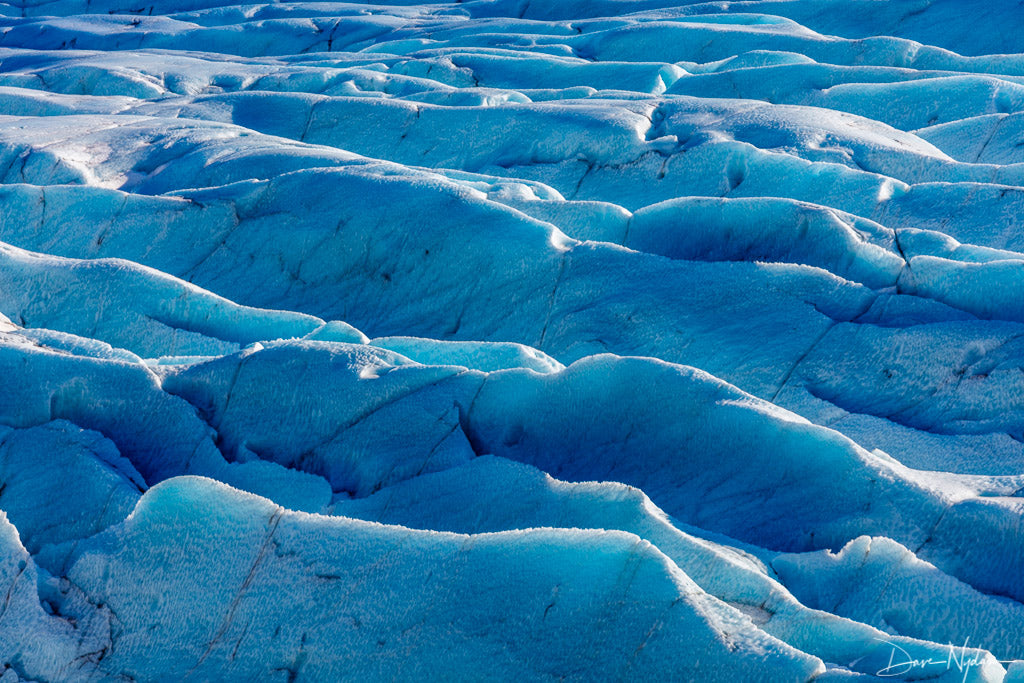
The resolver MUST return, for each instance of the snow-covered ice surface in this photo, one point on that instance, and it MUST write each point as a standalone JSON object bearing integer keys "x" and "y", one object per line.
{"x": 512, "y": 339}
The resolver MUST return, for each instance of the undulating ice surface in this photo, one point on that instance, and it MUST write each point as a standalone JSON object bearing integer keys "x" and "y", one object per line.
{"x": 512, "y": 339}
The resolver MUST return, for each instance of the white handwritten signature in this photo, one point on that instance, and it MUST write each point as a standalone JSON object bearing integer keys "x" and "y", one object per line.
{"x": 901, "y": 662}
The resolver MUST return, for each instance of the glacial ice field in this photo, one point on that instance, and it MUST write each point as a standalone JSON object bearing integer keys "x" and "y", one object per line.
{"x": 485, "y": 340}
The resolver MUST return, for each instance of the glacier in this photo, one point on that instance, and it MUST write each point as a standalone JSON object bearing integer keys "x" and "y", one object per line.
{"x": 511, "y": 340}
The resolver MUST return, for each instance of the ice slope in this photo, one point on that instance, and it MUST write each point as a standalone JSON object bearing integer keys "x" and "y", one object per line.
{"x": 383, "y": 590}
{"x": 626, "y": 340}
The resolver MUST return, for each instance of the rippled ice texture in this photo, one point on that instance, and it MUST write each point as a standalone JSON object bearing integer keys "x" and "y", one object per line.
{"x": 511, "y": 340}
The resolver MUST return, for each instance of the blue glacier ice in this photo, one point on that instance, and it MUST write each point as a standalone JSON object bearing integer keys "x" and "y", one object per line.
{"x": 511, "y": 340}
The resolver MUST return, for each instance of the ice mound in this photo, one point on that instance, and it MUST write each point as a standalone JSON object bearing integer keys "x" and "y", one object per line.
{"x": 511, "y": 339}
